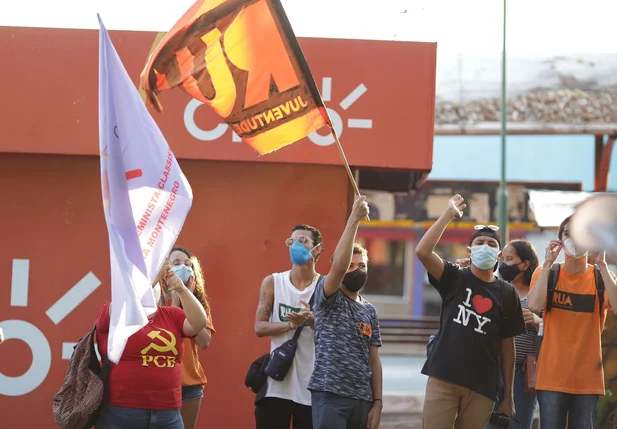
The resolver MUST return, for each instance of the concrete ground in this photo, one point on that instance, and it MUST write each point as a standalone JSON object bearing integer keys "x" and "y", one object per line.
{"x": 390, "y": 421}
{"x": 404, "y": 387}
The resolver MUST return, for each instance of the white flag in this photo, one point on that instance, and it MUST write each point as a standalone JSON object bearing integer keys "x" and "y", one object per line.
{"x": 145, "y": 196}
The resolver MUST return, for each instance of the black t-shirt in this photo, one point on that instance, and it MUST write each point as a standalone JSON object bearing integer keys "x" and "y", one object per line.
{"x": 475, "y": 317}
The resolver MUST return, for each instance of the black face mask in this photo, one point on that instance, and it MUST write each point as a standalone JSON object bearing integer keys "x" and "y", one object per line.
{"x": 509, "y": 272}
{"x": 354, "y": 280}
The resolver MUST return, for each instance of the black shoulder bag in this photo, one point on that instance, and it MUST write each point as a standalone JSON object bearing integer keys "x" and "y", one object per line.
{"x": 261, "y": 368}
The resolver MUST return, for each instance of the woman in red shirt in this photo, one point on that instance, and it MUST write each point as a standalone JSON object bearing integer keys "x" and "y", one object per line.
{"x": 144, "y": 388}
{"x": 188, "y": 268}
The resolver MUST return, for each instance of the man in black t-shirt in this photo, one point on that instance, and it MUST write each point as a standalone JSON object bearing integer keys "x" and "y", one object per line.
{"x": 480, "y": 317}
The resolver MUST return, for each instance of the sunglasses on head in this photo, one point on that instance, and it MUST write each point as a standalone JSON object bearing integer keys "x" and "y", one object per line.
{"x": 481, "y": 227}
{"x": 302, "y": 239}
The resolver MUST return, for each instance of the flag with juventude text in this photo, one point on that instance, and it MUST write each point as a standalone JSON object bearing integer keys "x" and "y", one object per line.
{"x": 146, "y": 197}
{"x": 241, "y": 58}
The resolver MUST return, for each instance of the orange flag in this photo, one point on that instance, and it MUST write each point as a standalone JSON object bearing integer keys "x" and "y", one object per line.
{"x": 242, "y": 58}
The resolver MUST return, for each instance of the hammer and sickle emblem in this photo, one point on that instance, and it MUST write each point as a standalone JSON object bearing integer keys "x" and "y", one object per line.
{"x": 169, "y": 346}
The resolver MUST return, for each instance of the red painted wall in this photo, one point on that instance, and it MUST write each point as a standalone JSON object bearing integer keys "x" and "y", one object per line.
{"x": 51, "y": 100}
{"x": 52, "y": 215}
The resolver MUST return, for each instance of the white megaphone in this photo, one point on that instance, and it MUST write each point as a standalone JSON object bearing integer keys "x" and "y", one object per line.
{"x": 594, "y": 224}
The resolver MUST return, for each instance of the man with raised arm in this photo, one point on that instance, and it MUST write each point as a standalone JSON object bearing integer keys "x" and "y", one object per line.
{"x": 480, "y": 317}
{"x": 346, "y": 384}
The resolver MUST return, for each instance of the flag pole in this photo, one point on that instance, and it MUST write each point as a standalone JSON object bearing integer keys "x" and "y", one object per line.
{"x": 349, "y": 173}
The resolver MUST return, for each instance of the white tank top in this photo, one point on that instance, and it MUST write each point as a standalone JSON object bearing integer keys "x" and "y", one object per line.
{"x": 287, "y": 299}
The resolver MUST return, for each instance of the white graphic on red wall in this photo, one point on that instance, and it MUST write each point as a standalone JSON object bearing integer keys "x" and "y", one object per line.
{"x": 481, "y": 305}
{"x": 321, "y": 140}
{"x": 33, "y": 336}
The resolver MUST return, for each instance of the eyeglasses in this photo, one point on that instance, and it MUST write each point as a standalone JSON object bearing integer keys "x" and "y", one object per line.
{"x": 302, "y": 239}
{"x": 481, "y": 227}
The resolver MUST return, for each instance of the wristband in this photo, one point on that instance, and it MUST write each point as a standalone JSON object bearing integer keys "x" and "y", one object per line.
{"x": 377, "y": 399}
{"x": 291, "y": 326}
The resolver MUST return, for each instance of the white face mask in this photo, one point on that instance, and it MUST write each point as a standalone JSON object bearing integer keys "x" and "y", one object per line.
{"x": 184, "y": 272}
{"x": 571, "y": 250}
{"x": 484, "y": 257}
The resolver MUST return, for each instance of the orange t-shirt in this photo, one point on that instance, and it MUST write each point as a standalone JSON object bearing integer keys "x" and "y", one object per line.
{"x": 570, "y": 359}
{"x": 192, "y": 371}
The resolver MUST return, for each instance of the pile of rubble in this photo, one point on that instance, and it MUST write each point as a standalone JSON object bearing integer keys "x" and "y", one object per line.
{"x": 568, "y": 106}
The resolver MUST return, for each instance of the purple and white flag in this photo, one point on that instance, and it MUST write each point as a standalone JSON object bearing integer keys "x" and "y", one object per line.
{"x": 146, "y": 197}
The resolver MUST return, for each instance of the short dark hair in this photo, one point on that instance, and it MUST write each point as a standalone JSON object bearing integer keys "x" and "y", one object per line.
{"x": 526, "y": 252}
{"x": 562, "y": 227}
{"x": 485, "y": 232}
{"x": 317, "y": 239}
{"x": 359, "y": 250}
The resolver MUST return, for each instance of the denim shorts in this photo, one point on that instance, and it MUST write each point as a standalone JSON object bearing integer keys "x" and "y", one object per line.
{"x": 190, "y": 393}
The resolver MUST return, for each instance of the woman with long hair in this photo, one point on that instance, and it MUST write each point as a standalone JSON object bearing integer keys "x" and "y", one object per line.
{"x": 188, "y": 268}
{"x": 520, "y": 260}
{"x": 144, "y": 388}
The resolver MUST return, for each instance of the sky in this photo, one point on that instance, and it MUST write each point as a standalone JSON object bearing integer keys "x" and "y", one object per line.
{"x": 457, "y": 25}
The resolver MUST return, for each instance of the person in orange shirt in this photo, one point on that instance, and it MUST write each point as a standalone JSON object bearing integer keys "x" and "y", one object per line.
{"x": 570, "y": 376}
{"x": 188, "y": 268}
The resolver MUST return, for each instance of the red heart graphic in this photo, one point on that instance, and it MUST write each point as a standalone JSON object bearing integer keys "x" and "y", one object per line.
{"x": 481, "y": 304}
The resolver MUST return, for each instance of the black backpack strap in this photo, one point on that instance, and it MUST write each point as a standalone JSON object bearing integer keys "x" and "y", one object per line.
{"x": 299, "y": 328}
{"x": 600, "y": 288}
{"x": 297, "y": 333}
{"x": 310, "y": 303}
{"x": 312, "y": 300}
{"x": 553, "y": 276}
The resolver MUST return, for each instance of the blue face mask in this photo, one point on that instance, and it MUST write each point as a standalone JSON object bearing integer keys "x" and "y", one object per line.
{"x": 299, "y": 254}
{"x": 484, "y": 257}
{"x": 184, "y": 272}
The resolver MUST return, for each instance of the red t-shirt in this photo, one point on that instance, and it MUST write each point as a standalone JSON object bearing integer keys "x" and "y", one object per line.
{"x": 149, "y": 374}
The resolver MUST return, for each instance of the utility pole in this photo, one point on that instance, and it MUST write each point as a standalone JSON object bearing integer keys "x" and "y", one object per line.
{"x": 503, "y": 217}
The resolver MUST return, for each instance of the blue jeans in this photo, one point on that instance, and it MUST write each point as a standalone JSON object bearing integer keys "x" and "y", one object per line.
{"x": 113, "y": 417}
{"x": 580, "y": 411}
{"x": 524, "y": 403}
{"x": 190, "y": 393}
{"x": 332, "y": 411}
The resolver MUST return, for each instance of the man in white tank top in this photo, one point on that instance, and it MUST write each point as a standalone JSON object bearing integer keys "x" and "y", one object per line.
{"x": 283, "y": 307}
